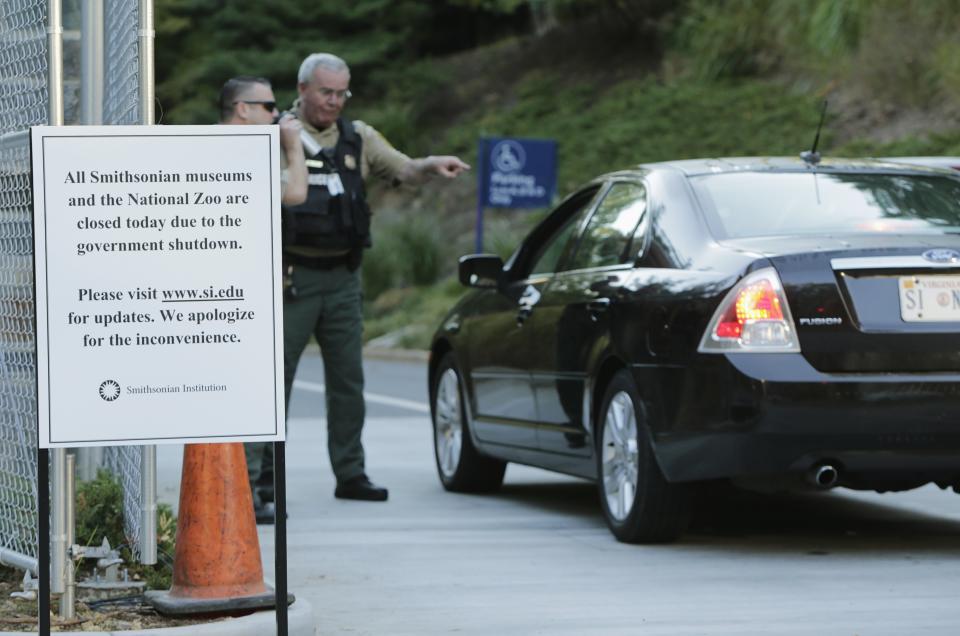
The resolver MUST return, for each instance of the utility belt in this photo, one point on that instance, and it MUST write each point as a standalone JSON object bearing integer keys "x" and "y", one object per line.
{"x": 321, "y": 262}
{"x": 350, "y": 260}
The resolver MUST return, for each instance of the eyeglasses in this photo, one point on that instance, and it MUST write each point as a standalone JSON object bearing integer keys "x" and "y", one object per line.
{"x": 270, "y": 106}
{"x": 327, "y": 93}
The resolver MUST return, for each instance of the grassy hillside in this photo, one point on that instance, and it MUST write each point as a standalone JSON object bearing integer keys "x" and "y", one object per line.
{"x": 609, "y": 104}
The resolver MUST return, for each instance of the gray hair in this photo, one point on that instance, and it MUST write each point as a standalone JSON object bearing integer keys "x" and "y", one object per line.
{"x": 325, "y": 60}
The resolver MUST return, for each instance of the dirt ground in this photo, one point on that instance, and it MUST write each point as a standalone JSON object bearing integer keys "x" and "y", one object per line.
{"x": 19, "y": 615}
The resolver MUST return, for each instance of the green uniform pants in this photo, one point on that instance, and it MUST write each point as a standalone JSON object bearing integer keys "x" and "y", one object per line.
{"x": 328, "y": 304}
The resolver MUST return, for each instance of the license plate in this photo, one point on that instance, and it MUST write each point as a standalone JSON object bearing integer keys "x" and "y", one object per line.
{"x": 930, "y": 298}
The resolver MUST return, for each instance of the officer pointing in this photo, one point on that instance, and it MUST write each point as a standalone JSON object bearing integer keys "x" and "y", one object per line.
{"x": 324, "y": 239}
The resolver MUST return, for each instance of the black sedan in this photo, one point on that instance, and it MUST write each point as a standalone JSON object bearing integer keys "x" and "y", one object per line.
{"x": 775, "y": 322}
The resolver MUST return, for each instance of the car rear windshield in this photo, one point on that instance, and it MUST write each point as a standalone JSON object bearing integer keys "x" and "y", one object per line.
{"x": 745, "y": 204}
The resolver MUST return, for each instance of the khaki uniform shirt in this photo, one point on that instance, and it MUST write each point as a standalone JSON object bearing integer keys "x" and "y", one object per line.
{"x": 378, "y": 158}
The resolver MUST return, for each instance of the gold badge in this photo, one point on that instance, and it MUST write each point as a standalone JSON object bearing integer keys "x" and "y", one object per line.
{"x": 350, "y": 162}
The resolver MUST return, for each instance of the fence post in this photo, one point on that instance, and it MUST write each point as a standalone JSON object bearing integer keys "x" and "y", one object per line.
{"x": 68, "y": 609}
{"x": 148, "y": 476}
{"x": 58, "y": 505}
{"x": 148, "y": 499}
{"x": 146, "y": 62}
{"x": 91, "y": 64}
{"x": 58, "y": 548}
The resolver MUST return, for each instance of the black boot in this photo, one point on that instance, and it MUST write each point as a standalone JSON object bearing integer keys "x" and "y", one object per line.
{"x": 360, "y": 488}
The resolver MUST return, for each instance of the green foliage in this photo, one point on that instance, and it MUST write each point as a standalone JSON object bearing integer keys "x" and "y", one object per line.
{"x": 497, "y": 6}
{"x": 202, "y": 43}
{"x": 946, "y": 66}
{"x": 405, "y": 252}
{"x": 379, "y": 269}
{"x": 504, "y": 229}
{"x": 99, "y": 514}
{"x": 407, "y": 94}
{"x": 737, "y": 38}
{"x": 892, "y": 49}
{"x": 413, "y": 313}
{"x": 645, "y": 120}
{"x": 160, "y": 576}
{"x": 833, "y": 27}
{"x": 895, "y": 66}
{"x": 99, "y": 511}
{"x": 422, "y": 250}
{"x": 946, "y": 143}
{"x": 725, "y": 39}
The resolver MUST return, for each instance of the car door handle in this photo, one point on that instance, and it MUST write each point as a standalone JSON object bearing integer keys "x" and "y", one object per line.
{"x": 598, "y": 305}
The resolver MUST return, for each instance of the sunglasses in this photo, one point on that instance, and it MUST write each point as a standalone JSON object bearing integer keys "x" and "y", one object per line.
{"x": 270, "y": 106}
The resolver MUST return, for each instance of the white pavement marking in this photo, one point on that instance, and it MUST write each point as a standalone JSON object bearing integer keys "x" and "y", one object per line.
{"x": 369, "y": 397}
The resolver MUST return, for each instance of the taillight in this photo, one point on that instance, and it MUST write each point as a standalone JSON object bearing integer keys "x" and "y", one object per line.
{"x": 754, "y": 316}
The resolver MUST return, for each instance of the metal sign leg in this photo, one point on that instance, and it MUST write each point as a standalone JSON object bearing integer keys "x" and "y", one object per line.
{"x": 43, "y": 538}
{"x": 280, "y": 532}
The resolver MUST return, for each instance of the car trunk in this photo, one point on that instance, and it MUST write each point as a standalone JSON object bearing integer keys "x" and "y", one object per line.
{"x": 863, "y": 308}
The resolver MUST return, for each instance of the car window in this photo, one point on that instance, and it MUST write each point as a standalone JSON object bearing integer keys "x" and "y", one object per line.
{"x": 763, "y": 204}
{"x": 561, "y": 242}
{"x": 610, "y": 229}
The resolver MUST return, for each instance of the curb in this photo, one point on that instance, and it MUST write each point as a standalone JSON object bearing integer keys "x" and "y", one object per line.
{"x": 300, "y": 622}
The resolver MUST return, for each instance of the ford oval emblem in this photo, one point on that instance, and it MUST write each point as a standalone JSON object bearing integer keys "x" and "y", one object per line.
{"x": 942, "y": 256}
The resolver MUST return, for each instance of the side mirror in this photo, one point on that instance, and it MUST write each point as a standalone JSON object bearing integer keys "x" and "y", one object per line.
{"x": 481, "y": 270}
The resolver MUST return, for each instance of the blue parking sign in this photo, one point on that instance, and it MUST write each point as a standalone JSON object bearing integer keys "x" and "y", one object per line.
{"x": 517, "y": 173}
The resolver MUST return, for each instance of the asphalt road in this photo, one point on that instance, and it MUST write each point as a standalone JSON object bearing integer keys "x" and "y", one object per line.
{"x": 537, "y": 558}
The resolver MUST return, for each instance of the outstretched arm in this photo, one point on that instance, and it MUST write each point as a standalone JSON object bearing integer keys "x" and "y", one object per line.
{"x": 418, "y": 170}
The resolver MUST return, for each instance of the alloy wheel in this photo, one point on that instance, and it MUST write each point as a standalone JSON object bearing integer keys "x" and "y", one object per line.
{"x": 448, "y": 427}
{"x": 620, "y": 458}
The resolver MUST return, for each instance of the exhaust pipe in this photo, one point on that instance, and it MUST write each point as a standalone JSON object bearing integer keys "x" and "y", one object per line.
{"x": 823, "y": 476}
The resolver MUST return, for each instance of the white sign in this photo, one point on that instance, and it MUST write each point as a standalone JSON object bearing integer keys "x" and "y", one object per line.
{"x": 157, "y": 262}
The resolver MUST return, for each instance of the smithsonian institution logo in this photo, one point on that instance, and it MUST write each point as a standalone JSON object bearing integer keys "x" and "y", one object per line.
{"x": 109, "y": 390}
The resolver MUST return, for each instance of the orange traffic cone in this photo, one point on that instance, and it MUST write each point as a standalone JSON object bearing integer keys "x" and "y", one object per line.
{"x": 216, "y": 562}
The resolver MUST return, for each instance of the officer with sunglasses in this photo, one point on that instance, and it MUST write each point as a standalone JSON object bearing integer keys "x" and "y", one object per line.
{"x": 324, "y": 239}
{"x": 249, "y": 100}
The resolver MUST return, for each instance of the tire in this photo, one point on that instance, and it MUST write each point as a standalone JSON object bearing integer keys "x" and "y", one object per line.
{"x": 460, "y": 466}
{"x": 639, "y": 504}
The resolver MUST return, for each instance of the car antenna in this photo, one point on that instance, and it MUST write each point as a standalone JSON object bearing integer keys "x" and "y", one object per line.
{"x": 811, "y": 156}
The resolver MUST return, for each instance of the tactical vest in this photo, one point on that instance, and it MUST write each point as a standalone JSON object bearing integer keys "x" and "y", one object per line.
{"x": 335, "y": 215}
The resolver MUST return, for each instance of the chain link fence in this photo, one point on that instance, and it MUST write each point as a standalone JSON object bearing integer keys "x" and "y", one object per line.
{"x": 23, "y": 65}
{"x": 124, "y": 462}
{"x": 121, "y": 99}
{"x": 23, "y": 103}
{"x": 121, "y": 91}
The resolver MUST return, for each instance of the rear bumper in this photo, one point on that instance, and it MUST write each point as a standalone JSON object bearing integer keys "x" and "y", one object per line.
{"x": 747, "y": 415}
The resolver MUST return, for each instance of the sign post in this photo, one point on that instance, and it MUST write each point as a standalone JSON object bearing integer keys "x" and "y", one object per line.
{"x": 158, "y": 291}
{"x": 514, "y": 173}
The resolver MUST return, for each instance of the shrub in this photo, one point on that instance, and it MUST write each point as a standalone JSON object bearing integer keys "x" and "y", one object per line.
{"x": 99, "y": 511}
{"x": 946, "y": 65}
{"x": 99, "y": 514}
{"x": 420, "y": 241}
{"x": 405, "y": 252}
{"x": 379, "y": 268}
